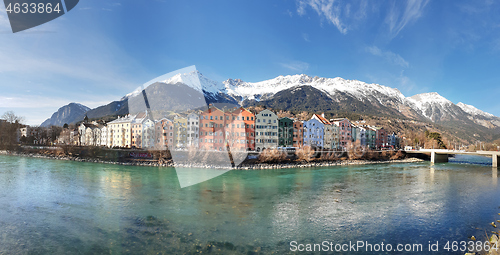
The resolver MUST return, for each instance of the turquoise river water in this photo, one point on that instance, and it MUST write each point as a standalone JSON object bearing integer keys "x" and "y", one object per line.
{"x": 64, "y": 207}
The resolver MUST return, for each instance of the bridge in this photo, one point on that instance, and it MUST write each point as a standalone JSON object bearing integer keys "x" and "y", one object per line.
{"x": 441, "y": 155}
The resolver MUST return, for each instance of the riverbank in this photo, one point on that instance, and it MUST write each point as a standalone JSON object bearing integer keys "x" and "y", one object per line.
{"x": 245, "y": 166}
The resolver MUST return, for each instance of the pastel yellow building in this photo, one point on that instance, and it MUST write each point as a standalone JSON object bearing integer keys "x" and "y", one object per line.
{"x": 120, "y": 132}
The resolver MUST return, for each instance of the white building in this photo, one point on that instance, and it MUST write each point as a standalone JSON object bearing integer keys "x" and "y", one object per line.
{"x": 266, "y": 130}
{"x": 92, "y": 136}
{"x": 104, "y": 136}
{"x": 148, "y": 133}
{"x": 193, "y": 129}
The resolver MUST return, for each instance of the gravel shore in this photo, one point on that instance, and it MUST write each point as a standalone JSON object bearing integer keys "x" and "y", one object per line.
{"x": 256, "y": 166}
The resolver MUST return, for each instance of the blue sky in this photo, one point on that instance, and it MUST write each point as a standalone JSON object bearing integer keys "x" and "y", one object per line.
{"x": 104, "y": 49}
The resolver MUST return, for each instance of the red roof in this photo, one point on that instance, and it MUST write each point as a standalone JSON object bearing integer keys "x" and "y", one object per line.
{"x": 321, "y": 119}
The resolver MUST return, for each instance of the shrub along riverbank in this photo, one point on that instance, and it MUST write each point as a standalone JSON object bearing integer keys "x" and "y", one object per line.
{"x": 268, "y": 159}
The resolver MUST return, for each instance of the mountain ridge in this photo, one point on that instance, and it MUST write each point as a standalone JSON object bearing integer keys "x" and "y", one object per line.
{"x": 322, "y": 94}
{"x": 65, "y": 115}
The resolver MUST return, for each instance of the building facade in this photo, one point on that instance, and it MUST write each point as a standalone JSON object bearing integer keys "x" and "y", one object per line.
{"x": 266, "y": 130}
{"x": 381, "y": 138}
{"x": 345, "y": 135}
{"x": 285, "y": 132}
{"x": 180, "y": 132}
{"x": 212, "y": 129}
{"x": 314, "y": 133}
{"x": 120, "y": 132}
{"x": 298, "y": 134}
{"x": 193, "y": 130}
{"x": 240, "y": 129}
{"x": 164, "y": 130}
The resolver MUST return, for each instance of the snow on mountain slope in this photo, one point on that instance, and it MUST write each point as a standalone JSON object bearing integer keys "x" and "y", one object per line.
{"x": 474, "y": 111}
{"x": 198, "y": 82}
{"x": 427, "y": 105}
{"x": 423, "y": 102}
{"x": 436, "y": 108}
{"x": 193, "y": 79}
{"x": 265, "y": 89}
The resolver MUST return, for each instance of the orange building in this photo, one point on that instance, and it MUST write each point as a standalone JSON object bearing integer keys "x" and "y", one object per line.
{"x": 240, "y": 129}
{"x": 298, "y": 134}
{"x": 212, "y": 125}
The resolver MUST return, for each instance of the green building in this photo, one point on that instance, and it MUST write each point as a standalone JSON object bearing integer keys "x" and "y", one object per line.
{"x": 371, "y": 137}
{"x": 285, "y": 132}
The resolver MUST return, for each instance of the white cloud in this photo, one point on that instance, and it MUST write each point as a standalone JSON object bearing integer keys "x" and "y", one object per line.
{"x": 388, "y": 55}
{"x": 397, "y": 19}
{"x": 405, "y": 83}
{"x": 347, "y": 15}
{"x": 305, "y": 36}
{"x": 296, "y": 66}
{"x": 325, "y": 9}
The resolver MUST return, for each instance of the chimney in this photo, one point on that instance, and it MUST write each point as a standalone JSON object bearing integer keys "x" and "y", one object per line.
{"x": 323, "y": 115}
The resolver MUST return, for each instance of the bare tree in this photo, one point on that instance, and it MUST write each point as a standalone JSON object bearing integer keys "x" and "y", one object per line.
{"x": 9, "y": 130}
{"x": 12, "y": 118}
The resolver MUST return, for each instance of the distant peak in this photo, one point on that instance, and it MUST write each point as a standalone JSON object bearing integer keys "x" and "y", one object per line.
{"x": 473, "y": 110}
{"x": 430, "y": 97}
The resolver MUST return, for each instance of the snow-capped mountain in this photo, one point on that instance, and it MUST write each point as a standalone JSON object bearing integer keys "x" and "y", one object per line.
{"x": 266, "y": 89}
{"x": 435, "y": 107}
{"x": 198, "y": 82}
{"x": 474, "y": 111}
{"x": 190, "y": 90}
{"x": 365, "y": 97}
{"x": 194, "y": 80}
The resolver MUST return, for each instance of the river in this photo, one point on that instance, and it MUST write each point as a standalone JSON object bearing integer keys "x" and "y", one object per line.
{"x": 65, "y": 207}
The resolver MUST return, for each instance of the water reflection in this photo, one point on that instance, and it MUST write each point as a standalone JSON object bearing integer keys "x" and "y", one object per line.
{"x": 494, "y": 176}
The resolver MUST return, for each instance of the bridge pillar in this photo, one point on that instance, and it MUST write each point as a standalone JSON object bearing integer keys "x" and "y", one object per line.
{"x": 494, "y": 160}
{"x": 439, "y": 158}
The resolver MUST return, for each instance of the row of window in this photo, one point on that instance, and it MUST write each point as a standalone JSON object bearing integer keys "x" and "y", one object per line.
{"x": 227, "y": 117}
{"x": 266, "y": 127}
{"x": 268, "y": 121}
{"x": 232, "y": 141}
{"x": 248, "y": 134}
{"x": 267, "y": 133}
{"x": 242, "y": 125}
{"x": 267, "y": 141}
